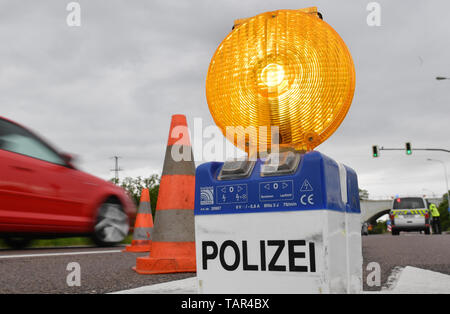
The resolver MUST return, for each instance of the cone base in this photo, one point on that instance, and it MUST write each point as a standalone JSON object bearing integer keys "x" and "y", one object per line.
{"x": 137, "y": 248}
{"x": 168, "y": 257}
{"x": 155, "y": 265}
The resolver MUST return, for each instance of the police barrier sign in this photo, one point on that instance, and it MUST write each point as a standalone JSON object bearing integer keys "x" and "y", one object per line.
{"x": 264, "y": 263}
{"x": 258, "y": 238}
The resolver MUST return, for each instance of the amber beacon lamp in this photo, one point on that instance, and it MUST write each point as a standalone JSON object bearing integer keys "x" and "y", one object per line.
{"x": 288, "y": 221}
{"x": 285, "y": 68}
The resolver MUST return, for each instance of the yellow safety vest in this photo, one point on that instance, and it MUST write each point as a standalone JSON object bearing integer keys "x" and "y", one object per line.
{"x": 434, "y": 211}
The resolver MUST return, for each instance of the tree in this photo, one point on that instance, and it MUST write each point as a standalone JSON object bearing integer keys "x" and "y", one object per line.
{"x": 444, "y": 214}
{"x": 134, "y": 188}
{"x": 379, "y": 227}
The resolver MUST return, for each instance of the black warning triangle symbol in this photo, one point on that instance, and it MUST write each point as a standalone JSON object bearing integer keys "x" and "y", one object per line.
{"x": 306, "y": 186}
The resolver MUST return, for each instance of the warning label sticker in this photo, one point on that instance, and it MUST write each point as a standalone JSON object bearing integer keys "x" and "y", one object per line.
{"x": 228, "y": 194}
{"x": 306, "y": 186}
{"x": 276, "y": 190}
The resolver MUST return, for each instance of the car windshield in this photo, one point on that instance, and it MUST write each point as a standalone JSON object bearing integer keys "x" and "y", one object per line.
{"x": 409, "y": 203}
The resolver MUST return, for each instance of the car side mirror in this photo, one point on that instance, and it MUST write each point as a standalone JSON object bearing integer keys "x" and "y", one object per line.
{"x": 68, "y": 159}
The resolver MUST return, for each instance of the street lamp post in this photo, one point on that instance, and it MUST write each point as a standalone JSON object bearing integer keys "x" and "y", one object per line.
{"x": 446, "y": 180}
{"x": 441, "y": 78}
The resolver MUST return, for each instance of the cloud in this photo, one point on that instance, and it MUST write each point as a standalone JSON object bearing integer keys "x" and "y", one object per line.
{"x": 110, "y": 86}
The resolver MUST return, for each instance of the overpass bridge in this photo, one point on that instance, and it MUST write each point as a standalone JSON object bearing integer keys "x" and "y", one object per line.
{"x": 371, "y": 210}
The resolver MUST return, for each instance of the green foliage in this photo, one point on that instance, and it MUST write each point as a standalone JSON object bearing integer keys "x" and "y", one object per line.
{"x": 379, "y": 228}
{"x": 444, "y": 215}
{"x": 134, "y": 187}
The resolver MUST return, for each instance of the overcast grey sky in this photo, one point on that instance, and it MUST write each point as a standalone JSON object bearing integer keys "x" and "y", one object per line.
{"x": 110, "y": 86}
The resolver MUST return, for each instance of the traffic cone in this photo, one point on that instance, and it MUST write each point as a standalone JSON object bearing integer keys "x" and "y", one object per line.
{"x": 173, "y": 242}
{"x": 143, "y": 226}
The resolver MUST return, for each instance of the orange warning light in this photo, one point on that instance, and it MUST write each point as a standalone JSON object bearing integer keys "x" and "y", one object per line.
{"x": 286, "y": 68}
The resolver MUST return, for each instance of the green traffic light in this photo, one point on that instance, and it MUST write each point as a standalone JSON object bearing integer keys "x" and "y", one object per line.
{"x": 375, "y": 151}
{"x": 408, "y": 148}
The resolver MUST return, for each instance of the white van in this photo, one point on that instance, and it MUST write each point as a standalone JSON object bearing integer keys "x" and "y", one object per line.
{"x": 410, "y": 214}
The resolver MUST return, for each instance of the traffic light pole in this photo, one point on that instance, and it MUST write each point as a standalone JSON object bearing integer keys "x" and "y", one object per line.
{"x": 432, "y": 149}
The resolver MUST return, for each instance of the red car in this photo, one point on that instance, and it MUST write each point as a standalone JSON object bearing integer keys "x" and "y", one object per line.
{"x": 43, "y": 195}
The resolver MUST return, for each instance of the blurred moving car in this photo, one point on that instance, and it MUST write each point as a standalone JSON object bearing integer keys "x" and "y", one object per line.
{"x": 43, "y": 195}
{"x": 410, "y": 214}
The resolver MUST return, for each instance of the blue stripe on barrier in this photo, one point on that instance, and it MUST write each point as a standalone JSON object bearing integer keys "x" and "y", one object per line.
{"x": 314, "y": 186}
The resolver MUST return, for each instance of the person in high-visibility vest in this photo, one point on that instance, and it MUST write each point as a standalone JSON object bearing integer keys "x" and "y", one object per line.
{"x": 436, "y": 223}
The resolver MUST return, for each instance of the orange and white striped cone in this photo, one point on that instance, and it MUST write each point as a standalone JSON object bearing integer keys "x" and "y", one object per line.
{"x": 173, "y": 242}
{"x": 143, "y": 226}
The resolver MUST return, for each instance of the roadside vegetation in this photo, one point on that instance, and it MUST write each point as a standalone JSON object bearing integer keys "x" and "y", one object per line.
{"x": 379, "y": 228}
{"x": 443, "y": 211}
{"x": 134, "y": 187}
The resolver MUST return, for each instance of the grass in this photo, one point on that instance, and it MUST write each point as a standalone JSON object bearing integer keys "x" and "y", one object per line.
{"x": 60, "y": 242}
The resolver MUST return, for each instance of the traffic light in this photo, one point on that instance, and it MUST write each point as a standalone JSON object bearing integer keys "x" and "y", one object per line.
{"x": 375, "y": 152}
{"x": 408, "y": 148}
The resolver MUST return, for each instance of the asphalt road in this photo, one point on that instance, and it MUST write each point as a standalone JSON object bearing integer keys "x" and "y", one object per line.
{"x": 430, "y": 252}
{"x": 45, "y": 270}
{"x": 105, "y": 270}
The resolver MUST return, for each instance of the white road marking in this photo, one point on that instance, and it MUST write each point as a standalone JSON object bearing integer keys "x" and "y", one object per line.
{"x": 409, "y": 280}
{"x": 416, "y": 280}
{"x": 58, "y": 254}
{"x": 183, "y": 286}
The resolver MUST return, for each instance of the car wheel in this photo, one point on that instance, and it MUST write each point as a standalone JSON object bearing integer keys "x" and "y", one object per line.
{"x": 17, "y": 242}
{"x": 111, "y": 226}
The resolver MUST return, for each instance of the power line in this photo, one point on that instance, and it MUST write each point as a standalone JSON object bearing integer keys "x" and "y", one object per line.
{"x": 116, "y": 169}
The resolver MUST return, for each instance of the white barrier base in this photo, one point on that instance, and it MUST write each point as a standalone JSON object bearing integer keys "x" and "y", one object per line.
{"x": 258, "y": 236}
